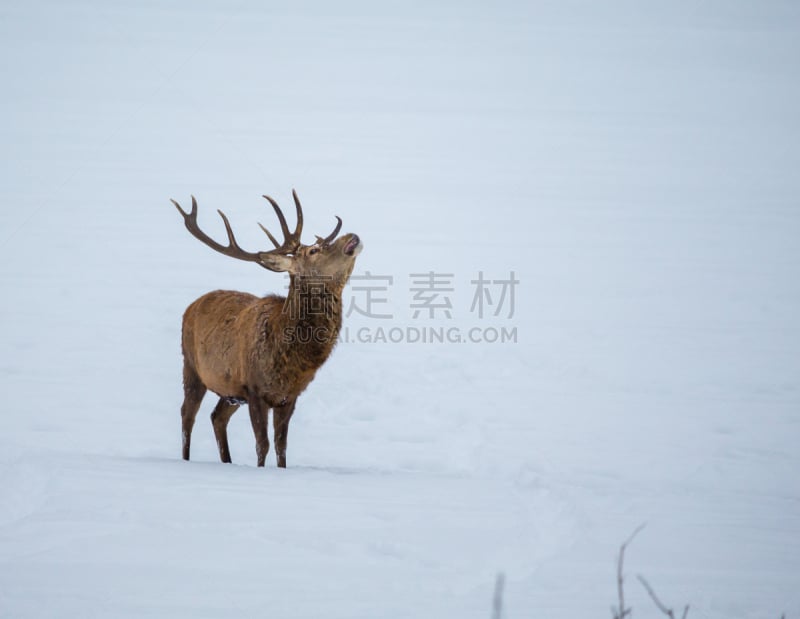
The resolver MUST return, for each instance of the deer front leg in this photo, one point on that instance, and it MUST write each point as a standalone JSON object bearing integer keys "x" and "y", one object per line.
{"x": 280, "y": 422}
{"x": 258, "y": 417}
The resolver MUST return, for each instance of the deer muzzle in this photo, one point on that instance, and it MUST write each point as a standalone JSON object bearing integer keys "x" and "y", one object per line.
{"x": 354, "y": 246}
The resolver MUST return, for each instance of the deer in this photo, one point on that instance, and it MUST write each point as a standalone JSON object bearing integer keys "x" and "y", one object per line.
{"x": 263, "y": 351}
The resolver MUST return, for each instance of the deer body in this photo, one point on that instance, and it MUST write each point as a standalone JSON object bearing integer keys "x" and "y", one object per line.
{"x": 263, "y": 351}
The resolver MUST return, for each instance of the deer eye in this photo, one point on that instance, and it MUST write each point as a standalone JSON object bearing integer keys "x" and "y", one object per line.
{"x": 313, "y": 251}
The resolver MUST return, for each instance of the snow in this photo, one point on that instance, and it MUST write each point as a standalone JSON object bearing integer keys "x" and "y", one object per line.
{"x": 635, "y": 167}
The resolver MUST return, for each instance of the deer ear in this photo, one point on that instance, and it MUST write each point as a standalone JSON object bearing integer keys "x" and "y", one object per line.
{"x": 275, "y": 262}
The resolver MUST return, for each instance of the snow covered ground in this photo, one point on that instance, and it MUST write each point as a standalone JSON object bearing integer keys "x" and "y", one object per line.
{"x": 633, "y": 164}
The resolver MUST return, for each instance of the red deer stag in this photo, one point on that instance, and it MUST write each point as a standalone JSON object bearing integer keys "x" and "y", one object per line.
{"x": 264, "y": 351}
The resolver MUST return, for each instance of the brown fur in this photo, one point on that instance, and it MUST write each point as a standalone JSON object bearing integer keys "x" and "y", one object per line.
{"x": 264, "y": 351}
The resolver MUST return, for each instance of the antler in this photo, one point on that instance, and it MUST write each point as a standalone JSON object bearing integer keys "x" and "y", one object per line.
{"x": 290, "y": 244}
{"x": 328, "y": 239}
{"x": 232, "y": 249}
{"x": 291, "y": 240}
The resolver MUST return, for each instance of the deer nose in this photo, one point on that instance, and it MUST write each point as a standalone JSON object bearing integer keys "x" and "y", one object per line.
{"x": 352, "y": 245}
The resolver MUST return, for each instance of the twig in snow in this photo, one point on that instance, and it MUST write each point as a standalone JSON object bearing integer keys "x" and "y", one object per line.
{"x": 621, "y": 612}
{"x": 667, "y": 611}
{"x": 497, "y": 600}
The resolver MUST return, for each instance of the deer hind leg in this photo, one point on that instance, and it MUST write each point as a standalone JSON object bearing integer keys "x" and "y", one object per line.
{"x": 193, "y": 392}
{"x": 258, "y": 417}
{"x": 280, "y": 422}
{"x": 219, "y": 419}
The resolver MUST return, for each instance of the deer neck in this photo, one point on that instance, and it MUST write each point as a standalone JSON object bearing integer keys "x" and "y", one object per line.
{"x": 313, "y": 310}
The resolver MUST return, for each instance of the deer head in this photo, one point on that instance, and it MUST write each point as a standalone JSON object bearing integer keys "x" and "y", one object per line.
{"x": 328, "y": 257}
